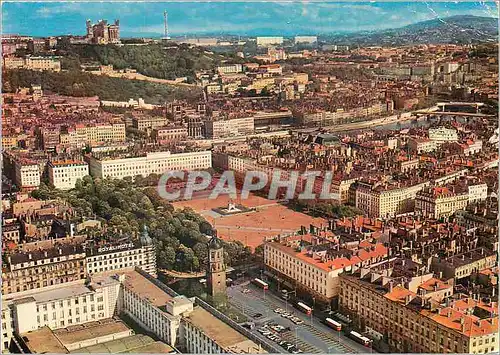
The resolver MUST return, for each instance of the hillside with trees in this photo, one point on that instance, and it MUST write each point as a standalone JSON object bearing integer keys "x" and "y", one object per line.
{"x": 77, "y": 83}
{"x": 155, "y": 60}
{"x": 180, "y": 236}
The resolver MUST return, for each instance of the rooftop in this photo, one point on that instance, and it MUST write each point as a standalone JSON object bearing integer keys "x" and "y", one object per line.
{"x": 87, "y": 331}
{"x": 63, "y": 291}
{"x": 146, "y": 289}
{"x": 399, "y": 294}
{"x": 220, "y": 332}
{"x": 63, "y": 250}
{"x": 43, "y": 341}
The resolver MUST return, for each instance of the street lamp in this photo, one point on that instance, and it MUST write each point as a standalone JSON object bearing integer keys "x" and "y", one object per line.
{"x": 287, "y": 296}
{"x": 314, "y": 304}
{"x": 296, "y": 335}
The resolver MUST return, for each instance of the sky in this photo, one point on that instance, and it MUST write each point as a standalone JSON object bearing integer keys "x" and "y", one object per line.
{"x": 252, "y": 18}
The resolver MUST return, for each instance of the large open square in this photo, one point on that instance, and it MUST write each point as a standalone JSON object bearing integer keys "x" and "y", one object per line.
{"x": 267, "y": 219}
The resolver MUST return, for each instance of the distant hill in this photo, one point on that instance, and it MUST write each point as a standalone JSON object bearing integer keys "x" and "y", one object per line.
{"x": 460, "y": 29}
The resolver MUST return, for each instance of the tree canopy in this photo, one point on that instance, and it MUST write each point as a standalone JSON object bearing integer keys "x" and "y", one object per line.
{"x": 180, "y": 236}
{"x": 81, "y": 84}
{"x": 156, "y": 60}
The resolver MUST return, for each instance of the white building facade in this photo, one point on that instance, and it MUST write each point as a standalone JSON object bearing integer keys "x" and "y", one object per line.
{"x": 64, "y": 174}
{"x": 158, "y": 163}
{"x": 27, "y": 175}
{"x": 121, "y": 256}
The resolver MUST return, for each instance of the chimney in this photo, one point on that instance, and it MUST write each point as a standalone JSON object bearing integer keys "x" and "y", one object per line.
{"x": 29, "y": 256}
{"x": 407, "y": 299}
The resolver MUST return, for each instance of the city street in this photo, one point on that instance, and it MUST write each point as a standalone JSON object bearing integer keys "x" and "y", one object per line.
{"x": 311, "y": 337}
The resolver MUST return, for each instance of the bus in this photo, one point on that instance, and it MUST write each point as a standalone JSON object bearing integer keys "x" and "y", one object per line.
{"x": 333, "y": 324}
{"x": 305, "y": 308}
{"x": 360, "y": 339}
{"x": 261, "y": 284}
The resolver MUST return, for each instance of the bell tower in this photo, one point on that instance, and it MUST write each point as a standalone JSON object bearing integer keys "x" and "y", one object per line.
{"x": 216, "y": 269}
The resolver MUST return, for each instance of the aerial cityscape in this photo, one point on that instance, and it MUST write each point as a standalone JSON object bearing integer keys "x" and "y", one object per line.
{"x": 250, "y": 177}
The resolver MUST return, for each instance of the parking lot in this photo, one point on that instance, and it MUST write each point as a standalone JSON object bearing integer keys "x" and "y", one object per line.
{"x": 306, "y": 334}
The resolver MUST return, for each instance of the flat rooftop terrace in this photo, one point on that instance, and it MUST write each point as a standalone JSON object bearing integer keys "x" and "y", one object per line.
{"x": 137, "y": 343}
{"x": 214, "y": 328}
{"x": 43, "y": 340}
{"x": 91, "y": 330}
{"x": 146, "y": 289}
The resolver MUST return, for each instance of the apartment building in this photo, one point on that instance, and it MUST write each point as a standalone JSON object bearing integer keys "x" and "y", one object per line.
{"x": 153, "y": 308}
{"x": 103, "y": 132}
{"x": 144, "y": 123}
{"x": 421, "y": 145}
{"x": 42, "y": 268}
{"x": 316, "y": 271}
{"x": 43, "y": 63}
{"x": 413, "y": 323}
{"x": 267, "y": 41}
{"x": 439, "y": 202}
{"x": 205, "y": 334}
{"x": 229, "y": 128}
{"x": 64, "y": 174}
{"x": 340, "y": 187}
{"x": 467, "y": 148}
{"x": 464, "y": 264}
{"x": 27, "y": 173}
{"x": 230, "y": 69}
{"x": 81, "y": 135}
{"x": 151, "y": 304}
{"x": 477, "y": 192}
{"x": 9, "y": 142}
{"x": 113, "y": 256}
{"x": 69, "y": 304}
{"x": 11, "y": 232}
{"x": 443, "y": 134}
{"x": 157, "y": 162}
{"x": 381, "y": 200}
{"x": 306, "y": 39}
{"x": 164, "y": 135}
{"x": 272, "y": 69}
{"x": 11, "y": 62}
{"x": 33, "y": 63}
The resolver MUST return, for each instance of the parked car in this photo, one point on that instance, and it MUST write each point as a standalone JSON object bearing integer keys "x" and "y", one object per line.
{"x": 248, "y": 325}
{"x": 279, "y": 310}
{"x": 257, "y": 315}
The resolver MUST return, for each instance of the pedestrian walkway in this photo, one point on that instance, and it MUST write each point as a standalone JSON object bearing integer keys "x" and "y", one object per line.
{"x": 302, "y": 345}
{"x": 329, "y": 339}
